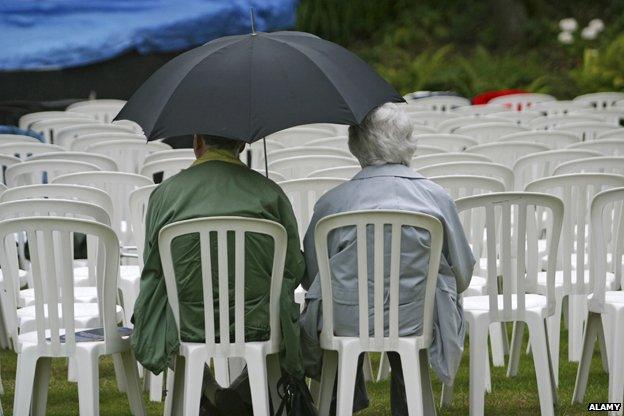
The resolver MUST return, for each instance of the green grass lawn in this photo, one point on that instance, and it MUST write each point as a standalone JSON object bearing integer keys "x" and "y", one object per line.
{"x": 510, "y": 396}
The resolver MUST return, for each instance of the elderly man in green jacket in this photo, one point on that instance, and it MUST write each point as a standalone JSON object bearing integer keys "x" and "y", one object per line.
{"x": 217, "y": 184}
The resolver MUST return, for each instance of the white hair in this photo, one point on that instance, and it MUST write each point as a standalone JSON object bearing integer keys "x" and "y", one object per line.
{"x": 384, "y": 136}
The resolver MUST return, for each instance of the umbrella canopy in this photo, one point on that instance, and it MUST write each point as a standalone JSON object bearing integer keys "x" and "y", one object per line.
{"x": 249, "y": 86}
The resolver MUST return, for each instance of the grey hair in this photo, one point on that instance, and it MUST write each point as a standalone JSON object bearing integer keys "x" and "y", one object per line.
{"x": 384, "y": 136}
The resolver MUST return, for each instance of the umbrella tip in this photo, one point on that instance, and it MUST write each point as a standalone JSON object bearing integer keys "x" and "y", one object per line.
{"x": 253, "y": 21}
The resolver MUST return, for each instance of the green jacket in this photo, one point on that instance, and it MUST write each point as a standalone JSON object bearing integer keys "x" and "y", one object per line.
{"x": 215, "y": 188}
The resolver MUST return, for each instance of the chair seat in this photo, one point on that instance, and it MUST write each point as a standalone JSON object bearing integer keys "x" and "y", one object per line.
{"x": 482, "y": 303}
{"x": 23, "y": 274}
{"x": 82, "y": 294}
{"x": 611, "y": 283}
{"x": 477, "y": 287}
{"x": 85, "y": 315}
{"x": 125, "y": 270}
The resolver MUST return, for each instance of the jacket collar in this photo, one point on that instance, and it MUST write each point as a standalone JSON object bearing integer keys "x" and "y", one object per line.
{"x": 396, "y": 170}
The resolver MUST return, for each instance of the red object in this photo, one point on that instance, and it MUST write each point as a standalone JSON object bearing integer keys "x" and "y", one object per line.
{"x": 485, "y": 97}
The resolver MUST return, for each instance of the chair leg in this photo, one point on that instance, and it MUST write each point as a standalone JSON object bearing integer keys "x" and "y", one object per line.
{"x": 384, "y": 368}
{"x": 328, "y": 378}
{"x": 40, "y": 393}
{"x": 133, "y": 386}
{"x": 478, "y": 355}
{"x": 274, "y": 372}
{"x": 427, "y": 390}
{"x": 497, "y": 345}
{"x": 616, "y": 375}
{"x": 177, "y": 388}
{"x": 410, "y": 364}
{"x": 169, "y": 382}
{"x": 553, "y": 324}
{"x": 24, "y": 382}
{"x": 119, "y": 373}
{"x": 606, "y": 345}
{"x": 88, "y": 382}
{"x": 578, "y": 314}
{"x": 155, "y": 386}
{"x": 221, "y": 371}
{"x": 367, "y": 368}
{"x": 258, "y": 383}
{"x": 193, "y": 378}
{"x": 446, "y": 396}
{"x": 593, "y": 325}
{"x": 517, "y": 336}
{"x": 539, "y": 347}
{"x": 347, "y": 370}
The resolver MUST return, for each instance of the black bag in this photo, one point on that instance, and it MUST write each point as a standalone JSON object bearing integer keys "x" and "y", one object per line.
{"x": 296, "y": 398}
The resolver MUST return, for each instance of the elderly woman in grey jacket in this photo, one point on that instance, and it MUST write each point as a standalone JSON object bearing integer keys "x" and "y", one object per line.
{"x": 384, "y": 145}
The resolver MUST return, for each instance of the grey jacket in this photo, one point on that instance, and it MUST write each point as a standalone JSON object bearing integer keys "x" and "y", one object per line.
{"x": 395, "y": 187}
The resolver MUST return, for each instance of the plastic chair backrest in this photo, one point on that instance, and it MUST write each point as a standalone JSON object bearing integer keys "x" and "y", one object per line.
{"x": 607, "y": 147}
{"x": 102, "y": 112}
{"x": 169, "y": 154}
{"x": 611, "y": 134}
{"x": 298, "y": 136}
{"x": 5, "y": 162}
{"x": 49, "y": 127}
{"x": 512, "y": 240}
{"x": 451, "y": 125}
{"x": 301, "y": 166}
{"x": 371, "y": 226}
{"x": 65, "y": 136}
{"x": 53, "y": 281}
{"x": 492, "y": 170}
{"x": 27, "y": 119}
{"x": 611, "y": 115}
{"x": 168, "y": 167}
{"x": 274, "y": 176}
{"x": 434, "y": 159}
{"x": 304, "y": 151}
{"x": 541, "y": 165}
{"x": 459, "y": 186}
{"x": 607, "y": 237}
{"x": 81, "y": 143}
{"x": 101, "y": 161}
{"x": 222, "y": 226}
{"x": 521, "y": 102}
{"x": 600, "y": 99}
{"x": 554, "y": 108}
{"x": 118, "y": 185}
{"x": 506, "y": 153}
{"x": 441, "y": 102}
{"x": 43, "y": 171}
{"x": 25, "y": 150}
{"x": 303, "y": 195}
{"x": 551, "y": 122}
{"x": 336, "y": 142}
{"x": 478, "y": 110}
{"x": 599, "y": 164}
{"x": 129, "y": 154}
{"x": 428, "y": 150}
{"x": 586, "y": 131}
{"x": 343, "y": 172}
{"x": 550, "y": 138}
{"x": 16, "y": 138}
{"x": 422, "y": 129}
{"x": 576, "y": 191}
{"x": 3, "y": 189}
{"x": 255, "y": 150}
{"x": 522, "y": 118}
{"x": 139, "y": 199}
{"x": 489, "y": 132}
{"x": 430, "y": 118}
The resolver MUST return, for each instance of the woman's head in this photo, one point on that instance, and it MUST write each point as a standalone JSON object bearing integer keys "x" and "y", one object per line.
{"x": 384, "y": 136}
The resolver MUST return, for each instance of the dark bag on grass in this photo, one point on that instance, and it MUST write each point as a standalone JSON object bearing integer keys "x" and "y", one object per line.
{"x": 295, "y": 396}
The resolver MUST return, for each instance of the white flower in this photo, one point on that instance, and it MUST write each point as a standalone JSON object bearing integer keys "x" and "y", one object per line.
{"x": 589, "y": 33}
{"x": 597, "y": 24}
{"x": 565, "y": 38}
{"x": 568, "y": 25}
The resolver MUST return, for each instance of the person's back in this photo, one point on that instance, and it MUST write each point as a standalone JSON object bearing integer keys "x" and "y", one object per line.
{"x": 217, "y": 184}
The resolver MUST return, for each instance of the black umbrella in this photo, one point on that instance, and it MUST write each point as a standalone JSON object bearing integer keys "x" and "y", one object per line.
{"x": 249, "y": 86}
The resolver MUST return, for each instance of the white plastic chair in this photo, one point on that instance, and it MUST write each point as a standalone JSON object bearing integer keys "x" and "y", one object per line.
{"x": 611, "y": 134}
{"x": 478, "y": 110}
{"x": 129, "y": 154}
{"x": 550, "y": 138}
{"x": 337, "y": 142}
{"x": 17, "y": 138}
{"x": 540, "y": 165}
{"x": 304, "y": 151}
{"x": 459, "y": 186}
{"x": 522, "y": 118}
{"x": 521, "y": 102}
{"x": 26, "y": 120}
{"x": 441, "y": 103}
{"x": 42, "y": 171}
{"x": 101, "y": 161}
{"x": 599, "y": 164}
{"x": 428, "y": 150}
{"x": 298, "y": 136}
{"x": 451, "y": 125}
{"x": 65, "y": 136}
{"x": 81, "y": 143}
{"x": 3, "y": 189}
{"x": 586, "y": 131}
{"x": 255, "y": 150}
{"x": 514, "y": 304}
{"x": 303, "y": 195}
{"x": 430, "y": 118}
{"x": 274, "y": 176}
{"x": 341, "y": 352}
{"x": 606, "y": 307}
{"x": 551, "y": 122}
{"x": 102, "y": 112}
{"x": 25, "y": 150}
{"x": 169, "y": 154}
{"x": 422, "y": 129}
{"x": 492, "y": 170}
{"x": 343, "y": 172}
{"x": 612, "y": 115}
{"x": 572, "y": 277}
{"x": 600, "y": 99}
{"x": 55, "y": 336}
{"x": 607, "y": 147}
{"x": 5, "y": 162}
{"x": 49, "y": 127}
{"x": 554, "y": 108}
{"x": 489, "y": 132}
{"x": 506, "y": 153}
{"x": 447, "y": 141}
{"x": 301, "y": 166}
{"x": 168, "y": 167}
{"x": 434, "y": 159}
{"x": 189, "y": 373}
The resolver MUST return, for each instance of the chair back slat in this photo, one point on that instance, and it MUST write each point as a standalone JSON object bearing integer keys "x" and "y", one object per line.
{"x": 362, "y": 260}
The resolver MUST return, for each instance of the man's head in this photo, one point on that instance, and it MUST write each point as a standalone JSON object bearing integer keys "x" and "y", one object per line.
{"x": 384, "y": 136}
{"x": 202, "y": 143}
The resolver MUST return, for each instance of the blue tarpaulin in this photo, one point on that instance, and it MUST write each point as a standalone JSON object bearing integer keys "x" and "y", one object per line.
{"x": 55, "y": 34}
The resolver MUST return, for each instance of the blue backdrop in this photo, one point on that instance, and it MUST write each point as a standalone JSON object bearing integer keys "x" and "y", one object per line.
{"x": 55, "y": 34}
